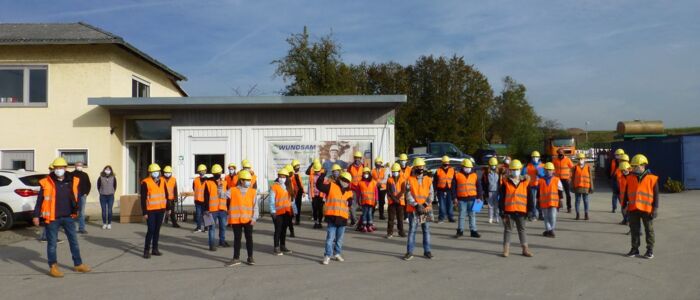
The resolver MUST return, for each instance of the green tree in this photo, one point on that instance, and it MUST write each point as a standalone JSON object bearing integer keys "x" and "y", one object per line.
{"x": 515, "y": 120}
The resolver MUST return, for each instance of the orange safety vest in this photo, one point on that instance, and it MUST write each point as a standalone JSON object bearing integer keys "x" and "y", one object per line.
{"x": 516, "y": 196}
{"x": 400, "y": 189}
{"x": 337, "y": 202}
{"x": 466, "y": 185}
{"x": 532, "y": 172}
{"x": 378, "y": 176}
{"x": 640, "y": 195}
{"x": 216, "y": 202}
{"x": 48, "y": 207}
{"x": 170, "y": 184}
{"x": 230, "y": 181}
{"x": 562, "y": 167}
{"x": 445, "y": 178}
{"x": 406, "y": 173}
{"x": 155, "y": 197}
{"x": 582, "y": 180}
{"x": 313, "y": 177}
{"x": 283, "y": 202}
{"x": 356, "y": 173}
{"x": 296, "y": 188}
{"x": 621, "y": 182}
{"x": 549, "y": 194}
{"x": 241, "y": 209}
{"x": 420, "y": 192}
{"x": 367, "y": 192}
{"x": 198, "y": 189}
{"x": 613, "y": 167}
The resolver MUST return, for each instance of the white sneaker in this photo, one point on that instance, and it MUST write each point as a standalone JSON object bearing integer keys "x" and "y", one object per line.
{"x": 109, "y": 226}
{"x": 326, "y": 260}
{"x": 339, "y": 258}
{"x": 104, "y": 226}
{"x": 490, "y": 221}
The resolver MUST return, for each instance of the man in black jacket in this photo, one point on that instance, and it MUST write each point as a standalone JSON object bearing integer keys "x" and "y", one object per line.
{"x": 83, "y": 192}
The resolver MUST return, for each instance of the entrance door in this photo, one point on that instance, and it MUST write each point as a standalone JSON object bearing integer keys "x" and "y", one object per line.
{"x": 141, "y": 155}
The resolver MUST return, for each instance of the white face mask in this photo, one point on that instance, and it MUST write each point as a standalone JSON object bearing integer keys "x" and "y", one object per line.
{"x": 514, "y": 173}
{"x": 507, "y": 161}
{"x": 535, "y": 159}
{"x": 232, "y": 171}
{"x": 365, "y": 176}
{"x": 493, "y": 167}
{"x": 108, "y": 171}
{"x": 155, "y": 174}
{"x": 402, "y": 163}
{"x": 60, "y": 172}
{"x": 344, "y": 184}
{"x": 395, "y": 174}
{"x": 78, "y": 168}
{"x": 246, "y": 184}
{"x": 625, "y": 172}
{"x": 550, "y": 173}
{"x": 581, "y": 162}
{"x": 167, "y": 175}
{"x": 467, "y": 170}
{"x": 282, "y": 180}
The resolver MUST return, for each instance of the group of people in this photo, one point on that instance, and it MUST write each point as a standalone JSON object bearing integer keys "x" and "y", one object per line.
{"x": 515, "y": 193}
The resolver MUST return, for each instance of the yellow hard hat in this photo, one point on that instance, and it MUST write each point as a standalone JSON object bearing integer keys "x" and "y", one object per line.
{"x": 378, "y": 160}
{"x": 336, "y": 167}
{"x": 232, "y": 165}
{"x": 216, "y": 169}
{"x": 639, "y": 160}
{"x": 51, "y": 166}
{"x": 295, "y": 163}
{"x": 346, "y": 176}
{"x": 515, "y": 165}
{"x": 317, "y": 161}
{"x": 445, "y": 159}
{"x": 366, "y": 170}
{"x": 549, "y": 166}
{"x": 535, "y": 154}
{"x": 418, "y": 162}
{"x": 201, "y": 168}
{"x": 245, "y": 175}
{"x": 493, "y": 161}
{"x": 619, "y": 152}
{"x": 151, "y": 167}
{"x": 59, "y": 162}
{"x": 357, "y": 154}
{"x": 289, "y": 168}
{"x": 395, "y": 167}
{"x": 168, "y": 169}
{"x": 282, "y": 171}
{"x": 245, "y": 164}
{"x": 403, "y": 156}
{"x": 581, "y": 155}
{"x": 317, "y": 166}
{"x": 467, "y": 163}
{"x": 625, "y": 165}
{"x": 624, "y": 157}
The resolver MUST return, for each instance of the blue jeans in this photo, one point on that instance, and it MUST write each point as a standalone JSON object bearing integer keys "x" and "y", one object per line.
{"x": 367, "y": 215}
{"x": 445, "y": 204}
{"x": 81, "y": 213}
{"x": 412, "y": 226}
{"x": 615, "y": 199}
{"x": 154, "y": 221}
{"x": 334, "y": 239}
{"x": 465, "y": 209}
{"x": 533, "y": 207}
{"x": 550, "y": 218}
{"x": 585, "y": 202}
{"x": 221, "y": 221}
{"x": 106, "y": 203}
{"x": 198, "y": 209}
{"x": 68, "y": 225}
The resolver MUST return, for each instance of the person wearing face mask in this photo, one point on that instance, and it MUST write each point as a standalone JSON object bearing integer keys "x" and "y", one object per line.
{"x": 106, "y": 186}
{"x": 549, "y": 198}
{"x": 171, "y": 186}
{"x": 154, "y": 197}
{"x": 198, "y": 189}
{"x": 405, "y": 168}
{"x": 292, "y": 184}
{"x": 247, "y": 166}
{"x": 621, "y": 184}
{"x": 443, "y": 185}
{"x": 514, "y": 206}
{"x": 490, "y": 184}
{"x": 380, "y": 175}
{"x": 468, "y": 190}
{"x": 535, "y": 170}
{"x": 316, "y": 171}
{"x": 44, "y": 181}
{"x": 368, "y": 194}
{"x": 336, "y": 170}
{"x": 582, "y": 184}
{"x": 419, "y": 191}
{"x": 231, "y": 176}
{"x": 215, "y": 203}
{"x": 57, "y": 205}
{"x": 396, "y": 191}
{"x": 336, "y": 212}
{"x": 563, "y": 167}
{"x": 282, "y": 209}
{"x": 84, "y": 191}
{"x": 613, "y": 171}
{"x": 641, "y": 200}
{"x": 298, "y": 190}
{"x": 356, "y": 170}
{"x": 243, "y": 213}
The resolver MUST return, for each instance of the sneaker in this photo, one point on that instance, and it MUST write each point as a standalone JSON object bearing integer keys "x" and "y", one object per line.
{"x": 196, "y": 230}
{"x": 428, "y": 255}
{"x": 251, "y": 261}
{"x": 339, "y": 258}
{"x": 326, "y": 260}
{"x": 441, "y": 221}
{"x": 551, "y": 234}
{"x": 175, "y": 225}
{"x": 224, "y": 245}
{"x": 546, "y": 233}
{"x": 41, "y": 240}
{"x": 452, "y": 221}
{"x": 389, "y": 236}
{"x": 82, "y": 231}
{"x": 497, "y": 221}
{"x": 475, "y": 234}
{"x": 104, "y": 226}
{"x": 278, "y": 252}
{"x": 490, "y": 221}
{"x": 233, "y": 262}
{"x": 364, "y": 229}
{"x": 649, "y": 254}
{"x": 633, "y": 253}
{"x": 286, "y": 251}
{"x": 109, "y": 226}
{"x": 459, "y": 233}
{"x": 408, "y": 256}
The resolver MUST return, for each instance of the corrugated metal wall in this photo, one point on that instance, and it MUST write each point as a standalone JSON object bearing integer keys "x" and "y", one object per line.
{"x": 665, "y": 155}
{"x": 691, "y": 162}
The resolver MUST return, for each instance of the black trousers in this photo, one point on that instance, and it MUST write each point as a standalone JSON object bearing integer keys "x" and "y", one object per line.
{"x": 155, "y": 219}
{"x": 170, "y": 206}
{"x": 281, "y": 224}
{"x": 297, "y": 201}
{"x": 238, "y": 230}
{"x": 566, "y": 184}
{"x": 317, "y": 209}
{"x": 381, "y": 201}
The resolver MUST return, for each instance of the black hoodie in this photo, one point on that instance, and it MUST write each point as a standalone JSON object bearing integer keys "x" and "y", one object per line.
{"x": 65, "y": 199}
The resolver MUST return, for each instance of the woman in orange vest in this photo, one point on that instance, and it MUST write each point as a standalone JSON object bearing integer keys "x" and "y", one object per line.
{"x": 535, "y": 170}
{"x": 243, "y": 212}
{"x": 154, "y": 197}
{"x": 613, "y": 171}
{"x": 583, "y": 184}
{"x": 563, "y": 167}
{"x": 549, "y": 198}
{"x": 336, "y": 211}
{"x": 282, "y": 209}
{"x": 514, "y": 206}
{"x": 641, "y": 200}
{"x": 380, "y": 175}
{"x": 231, "y": 176}
{"x": 171, "y": 185}
{"x": 419, "y": 193}
{"x": 396, "y": 191}
{"x": 445, "y": 190}
{"x": 355, "y": 170}
{"x": 215, "y": 204}
{"x": 620, "y": 186}
{"x": 368, "y": 195}
{"x": 198, "y": 190}
{"x": 316, "y": 171}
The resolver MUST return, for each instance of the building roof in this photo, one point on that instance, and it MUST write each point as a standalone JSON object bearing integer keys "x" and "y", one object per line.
{"x": 249, "y": 102}
{"x": 72, "y": 34}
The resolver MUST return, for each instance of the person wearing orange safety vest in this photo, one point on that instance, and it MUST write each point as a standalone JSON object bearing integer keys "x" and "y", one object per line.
{"x": 405, "y": 168}
{"x": 621, "y": 175}
{"x": 614, "y": 181}
{"x": 549, "y": 198}
{"x": 468, "y": 191}
{"x": 198, "y": 190}
{"x": 563, "y": 167}
{"x": 298, "y": 189}
{"x": 367, "y": 194}
{"x": 445, "y": 190}
{"x": 582, "y": 182}
{"x": 57, "y": 207}
{"x": 243, "y": 213}
{"x": 247, "y": 166}
{"x": 396, "y": 192}
{"x": 419, "y": 192}
{"x": 215, "y": 204}
{"x": 282, "y": 209}
{"x": 231, "y": 176}
{"x": 315, "y": 171}
{"x": 293, "y": 189}
{"x": 336, "y": 212}
{"x": 380, "y": 174}
{"x": 612, "y": 172}
{"x": 355, "y": 170}
{"x": 514, "y": 206}
{"x": 535, "y": 170}
{"x": 641, "y": 200}
{"x": 171, "y": 186}
{"x": 154, "y": 198}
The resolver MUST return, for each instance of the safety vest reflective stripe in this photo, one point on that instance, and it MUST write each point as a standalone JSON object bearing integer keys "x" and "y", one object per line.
{"x": 399, "y": 189}
{"x": 155, "y": 197}
{"x": 337, "y": 204}
{"x": 198, "y": 190}
{"x": 549, "y": 193}
{"x": 367, "y": 192}
{"x": 48, "y": 206}
{"x": 378, "y": 176}
{"x": 419, "y": 191}
{"x": 170, "y": 184}
{"x": 466, "y": 185}
{"x": 563, "y": 167}
{"x": 283, "y": 203}
{"x": 516, "y": 196}
{"x": 445, "y": 178}
{"x": 532, "y": 172}
{"x": 242, "y": 206}
{"x": 640, "y": 194}
{"x": 582, "y": 179}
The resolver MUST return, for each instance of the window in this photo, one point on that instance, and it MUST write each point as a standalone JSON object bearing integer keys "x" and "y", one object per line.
{"x": 23, "y": 85}
{"x": 4, "y": 181}
{"x": 148, "y": 130}
{"x": 17, "y": 159}
{"x": 208, "y": 160}
{"x": 19, "y": 164}
{"x": 74, "y": 156}
{"x": 139, "y": 88}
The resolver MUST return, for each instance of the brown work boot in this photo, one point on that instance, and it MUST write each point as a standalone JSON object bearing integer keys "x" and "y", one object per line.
{"x": 83, "y": 268}
{"x": 55, "y": 272}
{"x": 526, "y": 251}
{"x": 506, "y": 250}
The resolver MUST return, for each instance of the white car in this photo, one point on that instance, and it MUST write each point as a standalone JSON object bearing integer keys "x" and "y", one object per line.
{"x": 18, "y": 192}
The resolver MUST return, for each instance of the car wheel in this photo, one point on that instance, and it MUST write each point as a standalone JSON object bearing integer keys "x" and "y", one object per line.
{"x": 6, "y": 218}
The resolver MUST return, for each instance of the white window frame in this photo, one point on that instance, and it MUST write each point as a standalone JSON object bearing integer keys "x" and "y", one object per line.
{"x": 86, "y": 163}
{"x": 25, "y": 85}
{"x": 144, "y": 82}
{"x": 22, "y": 149}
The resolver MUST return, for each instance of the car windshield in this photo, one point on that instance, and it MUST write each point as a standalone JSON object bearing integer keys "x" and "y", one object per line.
{"x": 563, "y": 142}
{"x": 32, "y": 180}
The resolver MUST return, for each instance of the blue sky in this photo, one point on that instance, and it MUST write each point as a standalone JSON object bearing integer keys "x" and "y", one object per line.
{"x": 596, "y": 61}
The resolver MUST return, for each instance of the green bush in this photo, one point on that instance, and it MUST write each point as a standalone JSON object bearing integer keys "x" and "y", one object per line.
{"x": 673, "y": 186}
